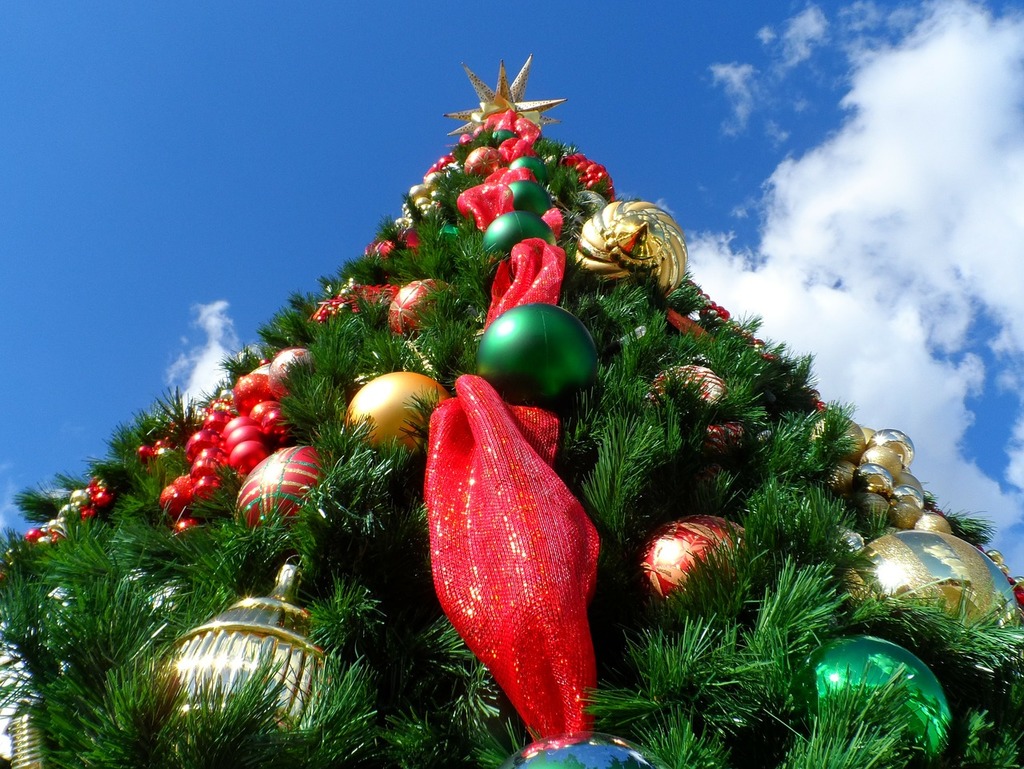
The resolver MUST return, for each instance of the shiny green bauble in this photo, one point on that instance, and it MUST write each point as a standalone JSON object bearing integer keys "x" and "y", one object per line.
{"x": 530, "y": 196}
{"x": 503, "y": 134}
{"x": 535, "y": 164}
{"x": 861, "y": 661}
{"x": 514, "y": 227}
{"x": 587, "y": 750}
{"x": 537, "y": 353}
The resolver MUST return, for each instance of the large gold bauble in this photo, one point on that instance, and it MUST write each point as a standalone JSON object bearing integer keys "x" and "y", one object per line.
{"x": 631, "y": 237}
{"x": 265, "y": 633}
{"x": 939, "y": 567}
{"x": 391, "y": 406}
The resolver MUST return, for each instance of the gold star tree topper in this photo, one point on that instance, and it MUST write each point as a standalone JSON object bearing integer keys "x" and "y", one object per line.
{"x": 503, "y": 98}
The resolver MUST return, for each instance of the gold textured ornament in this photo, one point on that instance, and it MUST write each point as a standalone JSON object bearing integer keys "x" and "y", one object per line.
{"x": 933, "y": 522}
{"x": 221, "y": 655}
{"x": 502, "y": 98}
{"x": 856, "y": 436}
{"x": 938, "y": 567}
{"x": 840, "y": 479}
{"x": 26, "y": 743}
{"x": 904, "y": 514}
{"x": 634, "y": 237}
{"x": 887, "y": 457}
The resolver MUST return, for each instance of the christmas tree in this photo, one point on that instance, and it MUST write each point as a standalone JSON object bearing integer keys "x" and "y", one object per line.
{"x": 511, "y": 490}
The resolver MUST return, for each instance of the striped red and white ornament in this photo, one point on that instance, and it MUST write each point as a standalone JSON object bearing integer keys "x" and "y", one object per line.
{"x": 278, "y": 484}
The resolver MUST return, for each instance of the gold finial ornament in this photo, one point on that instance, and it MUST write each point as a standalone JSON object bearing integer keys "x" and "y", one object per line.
{"x": 626, "y": 238}
{"x": 27, "y": 742}
{"x": 221, "y": 655}
{"x": 502, "y": 98}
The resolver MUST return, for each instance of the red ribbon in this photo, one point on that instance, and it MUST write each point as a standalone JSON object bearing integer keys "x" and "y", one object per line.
{"x": 513, "y": 553}
{"x": 532, "y": 273}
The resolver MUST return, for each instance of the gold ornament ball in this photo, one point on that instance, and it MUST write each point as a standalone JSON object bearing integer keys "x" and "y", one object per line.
{"x": 888, "y": 458}
{"x": 873, "y": 478}
{"x": 840, "y": 479}
{"x": 903, "y": 514}
{"x": 218, "y": 657}
{"x": 867, "y": 433}
{"x": 871, "y": 504}
{"x": 933, "y": 522}
{"x": 908, "y": 479}
{"x": 392, "y": 406}
{"x": 938, "y": 567}
{"x": 856, "y": 436}
{"x": 634, "y": 237}
{"x": 907, "y": 493}
{"x": 896, "y": 440}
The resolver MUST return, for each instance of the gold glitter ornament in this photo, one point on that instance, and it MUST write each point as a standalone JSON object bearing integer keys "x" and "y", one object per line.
{"x": 933, "y": 522}
{"x": 903, "y": 515}
{"x": 856, "y": 436}
{"x": 634, "y": 237}
{"x": 840, "y": 479}
{"x": 220, "y": 656}
{"x": 939, "y": 567}
{"x": 871, "y": 504}
{"x": 888, "y": 458}
{"x": 907, "y": 479}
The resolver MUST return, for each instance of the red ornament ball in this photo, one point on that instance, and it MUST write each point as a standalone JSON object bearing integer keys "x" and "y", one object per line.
{"x": 677, "y": 546}
{"x": 201, "y": 439}
{"x": 482, "y": 161}
{"x": 216, "y": 419}
{"x": 261, "y": 408}
{"x": 252, "y": 388}
{"x": 404, "y": 313}
{"x": 282, "y": 365}
{"x": 707, "y": 383}
{"x": 247, "y": 454}
{"x": 177, "y": 496}
{"x": 241, "y": 435}
{"x": 278, "y": 484}
{"x": 275, "y": 428}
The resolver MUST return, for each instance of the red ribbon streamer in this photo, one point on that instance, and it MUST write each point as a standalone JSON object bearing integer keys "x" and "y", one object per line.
{"x": 532, "y": 273}
{"x": 514, "y": 555}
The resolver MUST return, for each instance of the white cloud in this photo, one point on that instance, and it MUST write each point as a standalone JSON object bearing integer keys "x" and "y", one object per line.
{"x": 9, "y": 515}
{"x": 738, "y": 82}
{"x": 803, "y": 33}
{"x": 197, "y": 371}
{"x": 882, "y": 247}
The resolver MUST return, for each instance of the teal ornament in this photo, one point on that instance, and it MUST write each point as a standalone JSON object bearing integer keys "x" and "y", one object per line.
{"x": 450, "y": 231}
{"x": 503, "y": 134}
{"x": 530, "y": 196}
{"x": 514, "y": 227}
{"x": 535, "y": 164}
{"x": 537, "y": 353}
{"x": 587, "y": 750}
{"x": 854, "y": 662}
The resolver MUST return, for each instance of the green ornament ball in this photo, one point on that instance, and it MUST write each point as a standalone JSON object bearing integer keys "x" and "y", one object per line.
{"x": 530, "y": 196}
{"x": 587, "y": 750}
{"x": 514, "y": 227}
{"x": 537, "y": 353}
{"x": 850, "y": 663}
{"x": 535, "y": 164}
{"x": 503, "y": 134}
{"x": 450, "y": 231}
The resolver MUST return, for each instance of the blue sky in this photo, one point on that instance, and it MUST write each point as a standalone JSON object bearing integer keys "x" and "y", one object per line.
{"x": 852, "y": 172}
